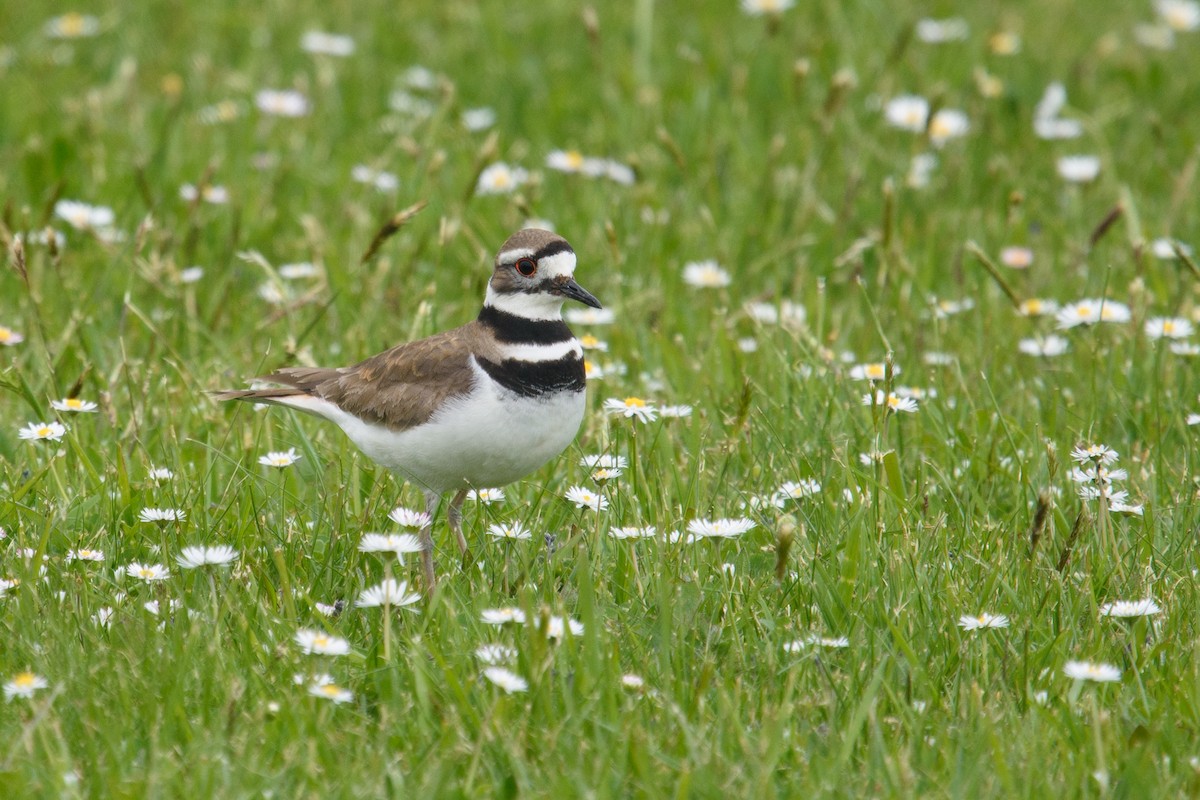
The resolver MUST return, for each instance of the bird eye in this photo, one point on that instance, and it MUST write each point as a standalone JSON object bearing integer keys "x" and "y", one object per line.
{"x": 526, "y": 266}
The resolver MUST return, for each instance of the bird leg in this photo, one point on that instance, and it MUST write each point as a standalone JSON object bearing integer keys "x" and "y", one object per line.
{"x": 426, "y": 536}
{"x": 454, "y": 513}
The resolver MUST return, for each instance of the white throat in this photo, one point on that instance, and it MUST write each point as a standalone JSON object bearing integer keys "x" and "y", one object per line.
{"x": 538, "y": 306}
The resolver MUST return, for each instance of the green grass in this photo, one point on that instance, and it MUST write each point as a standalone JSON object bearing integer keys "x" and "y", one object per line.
{"x": 753, "y": 145}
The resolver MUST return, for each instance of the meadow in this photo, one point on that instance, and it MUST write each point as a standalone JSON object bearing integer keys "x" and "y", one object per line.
{"x": 888, "y": 482}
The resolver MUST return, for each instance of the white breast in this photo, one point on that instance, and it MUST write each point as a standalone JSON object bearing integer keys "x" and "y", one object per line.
{"x": 490, "y": 437}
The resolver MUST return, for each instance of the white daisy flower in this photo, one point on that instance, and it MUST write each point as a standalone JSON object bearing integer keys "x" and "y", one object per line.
{"x": 407, "y": 518}
{"x": 647, "y": 532}
{"x": 947, "y": 124}
{"x": 214, "y": 195}
{"x": 501, "y": 178}
{"x": 940, "y": 31}
{"x": 320, "y": 643}
{"x": 24, "y": 685}
{"x": 907, "y": 112}
{"x": 1087, "y": 671}
{"x": 162, "y": 515}
{"x": 147, "y": 572}
{"x": 486, "y": 496}
{"x": 83, "y": 216}
{"x": 1168, "y": 328}
{"x": 502, "y": 616}
{"x": 73, "y": 404}
{"x": 72, "y": 25}
{"x": 495, "y": 653}
{"x": 9, "y": 337}
{"x": 557, "y": 627}
{"x": 980, "y": 621}
{"x": 298, "y": 270}
{"x": 383, "y": 181}
{"x": 590, "y": 316}
{"x": 327, "y": 44}
{"x": 280, "y": 459}
{"x": 632, "y": 408}
{"x": 1045, "y": 346}
{"x": 720, "y": 528}
{"x": 1016, "y": 257}
{"x": 758, "y": 8}
{"x": 634, "y": 683}
{"x": 1180, "y": 15}
{"x": 1164, "y": 248}
{"x": 894, "y": 402}
{"x": 478, "y": 119}
{"x": 1093, "y": 453}
{"x": 218, "y": 556}
{"x": 1091, "y": 311}
{"x": 390, "y": 593}
{"x": 282, "y": 103}
{"x": 1037, "y": 307}
{"x": 43, "y": 430}
{"x": 507, "y": 680}
{"x": 871, "y": 372}
{"x": 1078, "y": 169}
{"x": 584, "y": 498}
{"x": 706, "y": 275}
{"x": 513, "y": 530}
{"x": 331, "y": 692}
{"x": 1130, "y": 608}
{"x": 398, "y": 544}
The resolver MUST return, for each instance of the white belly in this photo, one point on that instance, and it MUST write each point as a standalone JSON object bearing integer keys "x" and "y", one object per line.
{"x": 490, "y": 437}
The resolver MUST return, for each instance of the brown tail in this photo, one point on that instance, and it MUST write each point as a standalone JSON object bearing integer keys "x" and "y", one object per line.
{"x": 297, "y": 381}
{"x": 255, "y": 395}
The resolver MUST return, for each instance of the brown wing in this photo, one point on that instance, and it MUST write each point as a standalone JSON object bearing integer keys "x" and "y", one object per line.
{"x": 399, "y": 388}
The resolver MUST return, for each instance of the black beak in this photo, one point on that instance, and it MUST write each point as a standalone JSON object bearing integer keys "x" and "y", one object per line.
{"x": 574, "y": 291}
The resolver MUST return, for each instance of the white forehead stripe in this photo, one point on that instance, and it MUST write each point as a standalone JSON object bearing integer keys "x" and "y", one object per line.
{"x": 511, "y": 256}
{"x": 543, "y": 352}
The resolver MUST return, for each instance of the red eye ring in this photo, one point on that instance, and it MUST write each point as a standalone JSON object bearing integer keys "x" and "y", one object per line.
{"x": 526, "y": 266}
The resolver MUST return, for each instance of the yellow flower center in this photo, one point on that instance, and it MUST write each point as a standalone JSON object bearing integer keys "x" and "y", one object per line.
{"x": 321, "y": 641}
{"x": 574, "y": 159}
{"x": 73, "y": 403}
{"x": 1085, "y": 311}
{"x": 1004, "y": 44}
{"x": 331, "y": 690}
{"x": 45, "y": 430}
{"x": 71, "y": 24}
{"x": 1168, "y": 327}
{"x": 875, "y": 370}
{"x": 24, "y": 680}
{"x": 635, "y": 402}
{"x": 587, "y": 340}
{"x": 893, "y": 401}
{"x": 5, "y": 334}
{"x": 1177, "y": 18}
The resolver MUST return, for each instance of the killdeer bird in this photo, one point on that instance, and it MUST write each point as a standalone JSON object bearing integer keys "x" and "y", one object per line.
{"x": 481, "y": 405}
